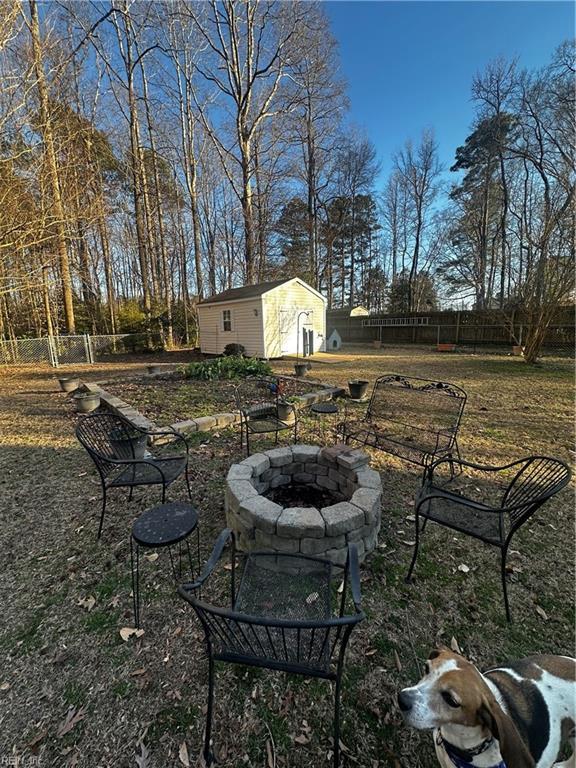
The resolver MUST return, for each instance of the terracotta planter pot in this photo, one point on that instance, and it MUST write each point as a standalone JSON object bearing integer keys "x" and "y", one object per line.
{"x": 376, "y": 343}
{"x": 517, "y": 351}
{"x": 69, "y": 383}
{"x": 87, "y": 402}
{"x": 358, "y": 389}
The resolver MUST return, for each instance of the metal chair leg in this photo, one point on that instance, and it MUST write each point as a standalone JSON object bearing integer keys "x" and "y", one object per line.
{"x": 208, "y": 756}
{"x": 504, "y": 584}
{"x": 337, "y": 723}
{"x": 135, "y": 560}
{"x": 102, "y": 512}
{"x": 188, "y": 482}
{"x": 131, "y": 493}
{"x": 415, "y": 554}
{"x": 163, "y": 492}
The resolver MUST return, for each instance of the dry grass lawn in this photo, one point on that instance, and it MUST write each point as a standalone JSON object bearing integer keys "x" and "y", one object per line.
{"x": 73, "y": 693}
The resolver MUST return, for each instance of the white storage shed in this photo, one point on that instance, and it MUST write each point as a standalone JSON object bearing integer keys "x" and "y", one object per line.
{"x": 268, "y": 319}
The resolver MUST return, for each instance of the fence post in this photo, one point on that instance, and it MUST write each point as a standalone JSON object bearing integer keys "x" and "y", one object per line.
{"x": 90, "y": 349}
{"x": 52, "y": 353}
{"x": 457, "y": 328}
{"x": 87, "y": 350}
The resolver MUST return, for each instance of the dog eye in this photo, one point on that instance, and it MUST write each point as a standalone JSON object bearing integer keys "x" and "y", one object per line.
{"x": 450, "y": 700}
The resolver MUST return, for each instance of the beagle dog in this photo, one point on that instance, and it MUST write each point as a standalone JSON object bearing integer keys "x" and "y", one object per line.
{"x": 515, "y": 716}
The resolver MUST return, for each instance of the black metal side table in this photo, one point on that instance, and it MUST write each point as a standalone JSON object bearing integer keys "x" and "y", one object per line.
{"x": 321, "y": 410}
{"x": 163, "y": 526}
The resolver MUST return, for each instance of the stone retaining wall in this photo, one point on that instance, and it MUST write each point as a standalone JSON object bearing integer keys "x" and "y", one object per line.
{"x": 202, "y": 423}
{"x": 260, "y": 523}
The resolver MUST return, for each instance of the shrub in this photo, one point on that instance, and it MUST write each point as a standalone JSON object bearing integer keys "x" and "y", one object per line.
{"x": 234, "y": 350}
{"x": 227, "y": 368}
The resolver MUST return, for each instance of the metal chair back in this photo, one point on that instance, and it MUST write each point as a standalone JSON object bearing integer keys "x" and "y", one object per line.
{"x": 539, "y": 478}
{"x": 108, "y": 438}
{"x": 433, "y": 407}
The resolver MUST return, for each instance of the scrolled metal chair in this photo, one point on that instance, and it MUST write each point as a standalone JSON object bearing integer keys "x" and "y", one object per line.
{"x": 529, "y": 483}
{"x": 123, "y": 458}
{"x": 257, "y": 400}
{"x": 280, "y": 617}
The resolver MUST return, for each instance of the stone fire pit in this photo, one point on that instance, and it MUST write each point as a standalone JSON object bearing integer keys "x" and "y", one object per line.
{"x": 337, "y": 479}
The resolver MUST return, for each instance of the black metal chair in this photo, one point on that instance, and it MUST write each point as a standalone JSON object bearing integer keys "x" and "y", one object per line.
{"x": 412, "y": 418}
{"x": 283, "y": 616}
{"x": 527, "y": 484}
{"x": 257, "y": 399}
{"x": 122, "y": 457}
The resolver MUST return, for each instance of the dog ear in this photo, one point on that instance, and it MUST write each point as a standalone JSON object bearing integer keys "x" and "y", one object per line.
{"x": 513, "y": 750}
{"x": 437, "y": 651}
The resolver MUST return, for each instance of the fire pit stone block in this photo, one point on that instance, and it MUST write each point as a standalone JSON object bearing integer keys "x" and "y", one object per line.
{"x": 296, "y": 522}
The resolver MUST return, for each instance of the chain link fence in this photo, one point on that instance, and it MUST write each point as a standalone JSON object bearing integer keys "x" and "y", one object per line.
{"x": 64, "y": 350}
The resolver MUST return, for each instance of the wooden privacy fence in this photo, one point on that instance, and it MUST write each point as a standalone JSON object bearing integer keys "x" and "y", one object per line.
{"x": 466, "y": 328}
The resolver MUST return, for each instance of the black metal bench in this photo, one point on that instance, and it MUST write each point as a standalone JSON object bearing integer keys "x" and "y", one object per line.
{"x": 412, "y": 418}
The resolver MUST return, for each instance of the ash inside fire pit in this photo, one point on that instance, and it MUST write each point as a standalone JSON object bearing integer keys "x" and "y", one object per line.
{"x": 301, "y": 495}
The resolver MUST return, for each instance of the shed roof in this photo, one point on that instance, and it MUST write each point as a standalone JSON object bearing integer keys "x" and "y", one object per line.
{"x": 246, "y": 292}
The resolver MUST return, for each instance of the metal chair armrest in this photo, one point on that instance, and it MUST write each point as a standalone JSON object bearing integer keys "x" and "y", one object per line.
{"x": 462, "y": 500}
{"x": 211, "y": 563}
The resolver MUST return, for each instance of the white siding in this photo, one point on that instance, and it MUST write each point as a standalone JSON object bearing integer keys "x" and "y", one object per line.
{"x": 281, "y": 308}
{"x": 246, "y": 327}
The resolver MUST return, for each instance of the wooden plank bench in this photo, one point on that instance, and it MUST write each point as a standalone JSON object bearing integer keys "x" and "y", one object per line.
{"x": 412, "y": 418}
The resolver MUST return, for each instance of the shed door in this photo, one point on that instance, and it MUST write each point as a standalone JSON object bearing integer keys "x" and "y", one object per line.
{"x": 290, "y": 327}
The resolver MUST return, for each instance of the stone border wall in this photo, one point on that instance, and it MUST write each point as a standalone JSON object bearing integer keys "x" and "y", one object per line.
{"x": 202, "y": 423}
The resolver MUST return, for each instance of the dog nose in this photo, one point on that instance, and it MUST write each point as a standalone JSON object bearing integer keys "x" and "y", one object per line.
{"x": 404, "y": 701}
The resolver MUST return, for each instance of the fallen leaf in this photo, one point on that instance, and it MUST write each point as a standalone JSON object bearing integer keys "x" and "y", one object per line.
{"x": 541, "y": 612}
{"x": 397, "y": 660}
{"x": 302, "y": 739}
{"x": 371, "y": 652}
{"x": 408, "y": 543}
{"x": 127, "y": 632}
{"x": 142, "y": 759}
{"x": 5, "y": 686}
{"x": 341, "y": 588}
{"x": 73, "y": 717}
{"x": 183, "y": 755}
{"x": 152, "y": 557}
{"x": 37, "y": 739}
{"x": 138, "y": 672}
{"x": 464, "y": 568}
{"x": 87, "y": 602}
{"x": 454, "y": 645}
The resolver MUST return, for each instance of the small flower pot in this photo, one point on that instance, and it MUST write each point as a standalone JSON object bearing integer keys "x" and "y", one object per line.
{"x": 128, "y": 446}
{"x": 285, "y": 412}
{"x": 376, "y": 343}
{"x": 153, "y": 369}
{"x": 517, "y": 351}
{"x": 358, "y": 389}
{"x": 69, "y": 383}
{"x": 86, "y": 402}
{"x": 300, "y": 369}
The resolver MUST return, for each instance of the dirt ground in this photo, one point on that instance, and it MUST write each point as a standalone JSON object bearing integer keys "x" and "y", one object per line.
{"x": 74, "y": 693}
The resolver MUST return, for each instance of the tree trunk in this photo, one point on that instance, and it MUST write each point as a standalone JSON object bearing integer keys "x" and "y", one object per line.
{"x": 53, "y": 171}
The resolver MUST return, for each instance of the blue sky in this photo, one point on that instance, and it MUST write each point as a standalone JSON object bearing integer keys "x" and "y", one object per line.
{"x": 410, "y": 64}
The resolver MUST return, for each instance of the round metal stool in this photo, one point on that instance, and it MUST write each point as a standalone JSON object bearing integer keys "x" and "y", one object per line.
{"x": 324, "y": 409}
{"x": 162, "y": 526}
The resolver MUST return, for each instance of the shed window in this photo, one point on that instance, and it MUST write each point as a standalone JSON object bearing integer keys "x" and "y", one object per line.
{"x": 226, "y": 319}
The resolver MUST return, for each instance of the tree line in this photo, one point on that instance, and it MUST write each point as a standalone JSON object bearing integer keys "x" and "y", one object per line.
{"x": 156, "y": 153}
